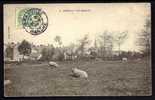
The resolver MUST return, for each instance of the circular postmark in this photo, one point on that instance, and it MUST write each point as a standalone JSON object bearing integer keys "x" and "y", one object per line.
{"x": 35, "y": 21}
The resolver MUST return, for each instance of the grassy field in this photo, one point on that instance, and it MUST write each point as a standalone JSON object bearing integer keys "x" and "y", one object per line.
{"x": 106, "y": 78}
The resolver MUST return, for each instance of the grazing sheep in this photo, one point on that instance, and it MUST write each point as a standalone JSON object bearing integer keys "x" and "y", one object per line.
{"x": 79, "y": 73}
{"x": 26, "y": 57}
{"x": 124, "y": 59}
{"x": 20, "y": 58}
{"x": 74, "y": 57}
{"x": 39, "y": 57}
{"x": 6, "y": 82}
{"x": 51, "y": 63}
{"x": 138, "y": 59}
{"x": 98, "y": 59}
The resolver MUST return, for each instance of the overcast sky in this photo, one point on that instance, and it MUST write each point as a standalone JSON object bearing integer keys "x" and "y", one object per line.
{"x": 72, "y": 25}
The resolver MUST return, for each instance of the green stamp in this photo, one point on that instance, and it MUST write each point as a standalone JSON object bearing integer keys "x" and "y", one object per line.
{"x": 34, "y": 20}
{"x": 19, "y": 16}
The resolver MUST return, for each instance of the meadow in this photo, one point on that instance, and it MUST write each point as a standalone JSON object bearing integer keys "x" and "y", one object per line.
{"x": 105, "y": 78}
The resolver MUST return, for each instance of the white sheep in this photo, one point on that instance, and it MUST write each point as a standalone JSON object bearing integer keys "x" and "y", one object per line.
{"x": 20, "y": 58}
{"x": 39, "y": 57}
{"x": 6, "y": 82}
{"x": 98, "y": 59}
{"x": 124, "y": 59}
{"x": 51, "y": 63}
{"x": 138, "y": 59}
{"x": 79, "y": 73}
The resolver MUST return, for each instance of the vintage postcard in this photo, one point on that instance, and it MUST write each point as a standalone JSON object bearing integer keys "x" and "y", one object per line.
{"x": 77, "y": 49}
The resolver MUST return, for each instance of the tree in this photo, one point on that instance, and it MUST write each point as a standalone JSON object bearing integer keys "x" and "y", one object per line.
{"x": 144, "y": 40}
{"x": 120, "y": 38}
{"x": 70, "y": 51}
{"x": 24, "y": 48}
{"x": 58, "y": 54}
{"x": 106, "y": 44}
{"x": 71, "y": 48}
{"x": 47, "y": 53}
{"x": 92, "y": 52}
{"x": 83, "y": 43}
{"x": 44, "y": 53}
{"x": 58, "y": 40}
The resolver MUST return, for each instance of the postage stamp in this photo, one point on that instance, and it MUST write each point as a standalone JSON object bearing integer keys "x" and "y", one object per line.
{"x": 19, "y": 15}
{"x": 34, "y": 20}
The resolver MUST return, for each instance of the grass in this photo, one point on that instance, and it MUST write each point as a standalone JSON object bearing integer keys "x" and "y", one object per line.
{"x": 105, "y": 78}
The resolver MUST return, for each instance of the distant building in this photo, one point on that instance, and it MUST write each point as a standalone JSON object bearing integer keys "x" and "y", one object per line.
{"x": 12, "y": 53}
{"x": 15, "y": 55}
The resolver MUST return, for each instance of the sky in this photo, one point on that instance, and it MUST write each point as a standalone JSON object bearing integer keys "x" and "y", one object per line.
{"x": 73, "y": 21}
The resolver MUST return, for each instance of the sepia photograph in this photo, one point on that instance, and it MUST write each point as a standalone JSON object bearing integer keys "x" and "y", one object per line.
{"x": 77, "y": 49}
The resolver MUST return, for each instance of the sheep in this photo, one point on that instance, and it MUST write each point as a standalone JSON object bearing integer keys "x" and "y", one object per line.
{"x": 7, "y": 82}
{"x": 124, "y": 59}
{"x": 39, "y": 57}
{"x": 79, "y": 73}
{"x": 98, "y": 59}
{"x": 26, "y": 57}
{"x": 138, "y": 59}
{"x": 51, "y": 63}
{"x": 19, "y": 58}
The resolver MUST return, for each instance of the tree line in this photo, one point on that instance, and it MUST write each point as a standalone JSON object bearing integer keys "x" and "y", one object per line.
{"x": 103, "y": 46}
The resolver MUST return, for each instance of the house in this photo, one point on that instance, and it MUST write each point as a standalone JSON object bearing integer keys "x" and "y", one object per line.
{"x": 15, "y": 55}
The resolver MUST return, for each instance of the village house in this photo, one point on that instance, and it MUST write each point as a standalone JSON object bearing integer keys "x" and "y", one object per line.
{"x": 14, "y": 54}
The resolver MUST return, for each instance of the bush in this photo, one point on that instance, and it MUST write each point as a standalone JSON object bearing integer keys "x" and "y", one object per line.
{"x": 58, "y": 55}
{"x": 47, "y": 54}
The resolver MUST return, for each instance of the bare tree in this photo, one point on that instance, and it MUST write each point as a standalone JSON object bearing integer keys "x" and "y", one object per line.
{"x": 70, "y": 51}
{"x": 83, "y": 43}
{"x": 106, "y": 44}
{"x": 120, "y": 38}
{"x": 144, "y": 40}
{"x": 58, "y": 40}
{"x": 72, "y": 47}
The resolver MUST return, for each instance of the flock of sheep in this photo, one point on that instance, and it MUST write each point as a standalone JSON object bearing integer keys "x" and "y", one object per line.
{"x": 75, "y": 71}
{"x": 78, "y": 72}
